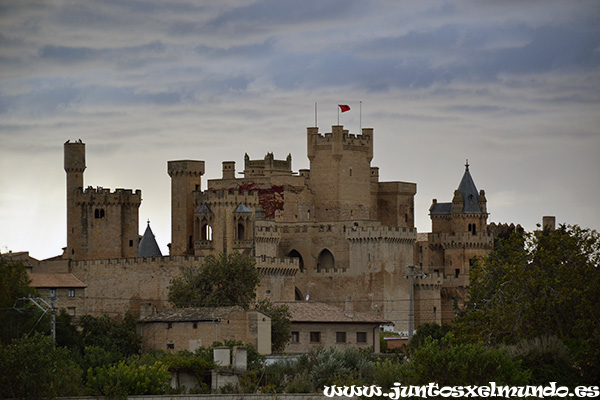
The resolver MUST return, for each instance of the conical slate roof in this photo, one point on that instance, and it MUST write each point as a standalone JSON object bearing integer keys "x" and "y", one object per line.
{"x": 469, "y": 192}
{"x": 148, "y": 246}
{"x": 242, "y": 209}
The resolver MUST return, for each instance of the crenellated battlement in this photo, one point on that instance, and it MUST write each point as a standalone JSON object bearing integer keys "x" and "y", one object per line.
{"x": 339, "y": 139}
{"x": 464, "y": 239}
{"x": 360, "y": 234}
{"x": 265, "y": 265}
{"x": 104, "y": 196}
{"x": 228, "y": 197}
{"x": 277, "y": 266}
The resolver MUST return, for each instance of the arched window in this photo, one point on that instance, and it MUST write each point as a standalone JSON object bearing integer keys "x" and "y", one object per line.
{"x": 206, "y": 232}
{"x": 298, "y": 295}
{"x": 325, "y": 261}
{"x": 296, "y": 254}
{"x": 241, "y": 234}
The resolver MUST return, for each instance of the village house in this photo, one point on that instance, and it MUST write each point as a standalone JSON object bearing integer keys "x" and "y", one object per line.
{"x": 318, "y": 325}
{"x": 191, "y": 328}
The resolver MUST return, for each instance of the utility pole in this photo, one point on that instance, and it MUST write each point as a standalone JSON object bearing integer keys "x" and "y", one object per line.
{"x": 43, "y": 305}
{"x": 411, "y": 307}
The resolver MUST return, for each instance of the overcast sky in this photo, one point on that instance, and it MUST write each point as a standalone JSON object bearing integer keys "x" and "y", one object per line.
{"x": 512, "y": 86}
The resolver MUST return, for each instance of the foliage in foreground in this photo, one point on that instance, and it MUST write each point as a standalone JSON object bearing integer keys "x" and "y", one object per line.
{"x": 33, "y": 369}
{"x": 535, "y": 286}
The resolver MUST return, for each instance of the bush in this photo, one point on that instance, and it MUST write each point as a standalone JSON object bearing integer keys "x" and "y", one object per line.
{"x": 461, "y": 364}
{"x": 123, "y": 379}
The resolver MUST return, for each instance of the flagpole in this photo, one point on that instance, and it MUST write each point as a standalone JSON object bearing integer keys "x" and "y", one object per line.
{"x": 316, "y": 115}
{"x": 360, "y": 119}
{"x": 338, "y": 109}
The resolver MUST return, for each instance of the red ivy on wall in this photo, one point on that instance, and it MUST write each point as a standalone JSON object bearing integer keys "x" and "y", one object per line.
{"x": 270, "y": 199}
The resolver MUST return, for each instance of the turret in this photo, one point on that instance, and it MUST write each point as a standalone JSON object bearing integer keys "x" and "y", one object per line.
{"x": 186, "y": 178}
{"x": 74, "y": 163}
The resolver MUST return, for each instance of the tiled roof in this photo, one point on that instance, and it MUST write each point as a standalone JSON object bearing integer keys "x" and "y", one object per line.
{"x": 55, "y": 281}
{"x": 306, "y": 311}
{"x": 191, "y": 314}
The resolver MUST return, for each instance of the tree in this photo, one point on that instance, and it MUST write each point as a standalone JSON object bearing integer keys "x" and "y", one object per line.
{"x": 114, "y": 336}
{"x": 280, "y": 323}
{"x": 226, "y": 280}
{"x": 449, "y": 364}
{"x": 14, "y": 284}
{"x": 33, "y": 369}
{"x": 537, "y": 285}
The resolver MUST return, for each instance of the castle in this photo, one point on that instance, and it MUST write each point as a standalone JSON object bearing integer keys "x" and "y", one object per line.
{"x": 332, "y": 233}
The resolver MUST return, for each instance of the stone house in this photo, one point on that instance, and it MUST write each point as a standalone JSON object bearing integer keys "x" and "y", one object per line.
{"x": 65, "y": 288}
{"x": 319, "y": 325}
{"x": 191, "y": 328}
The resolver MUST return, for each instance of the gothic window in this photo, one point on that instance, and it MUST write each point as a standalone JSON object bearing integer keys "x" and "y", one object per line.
{"x": 206, "y": 232}
{"x": 99, "y": 213}
{"x": 325, "y": 261}
{"x": 241, "y": 234}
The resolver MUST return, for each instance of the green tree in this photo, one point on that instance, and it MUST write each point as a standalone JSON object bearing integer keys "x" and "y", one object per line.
{"x": 449, "y": 364}
{"x": 14, "y": 284}
{"x": 280, "y": 323}
{"x": 33, "y": 369}
{"x": 227, "y": 280}
{"x": 115, "y": 336}
{"x": 537, "y": 285}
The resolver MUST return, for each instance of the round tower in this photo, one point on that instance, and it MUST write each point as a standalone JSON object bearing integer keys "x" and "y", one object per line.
{"x": 74, "y": 164}
{"x": 186, "y": 176}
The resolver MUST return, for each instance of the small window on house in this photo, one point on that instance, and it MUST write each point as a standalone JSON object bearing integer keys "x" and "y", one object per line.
{"x": 361, "y": 337}
{"x": 315, "y": 337}
{"x": 71, "y": 292}
{"x": 456, "y": 272}
{"x": 170, "y": 346}
{"x": 197, "y": 187}
{"x": 340, "y": 337}
{"x": 71, "y": 311}
{"x": 52, "y": 292}
{"x": 169, "y": 325}
{"x": 195, "y": 325}
{"x": 295, "y": 337}
{"x": 131, "y": 243}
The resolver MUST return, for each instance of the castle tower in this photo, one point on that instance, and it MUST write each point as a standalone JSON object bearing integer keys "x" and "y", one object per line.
{"x": 100, "y": 223}
{"x": 340, "y": 173}
{"x": 74, "y": 164}
{"x": 186, "y": 176}
{"x": 459, "y": 235}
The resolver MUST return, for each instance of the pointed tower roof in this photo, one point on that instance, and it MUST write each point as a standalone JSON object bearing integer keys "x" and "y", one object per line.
{"x": 469, "y": 192}
{"x": 148, "y": 246}
{"x": 242, "y": 209}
